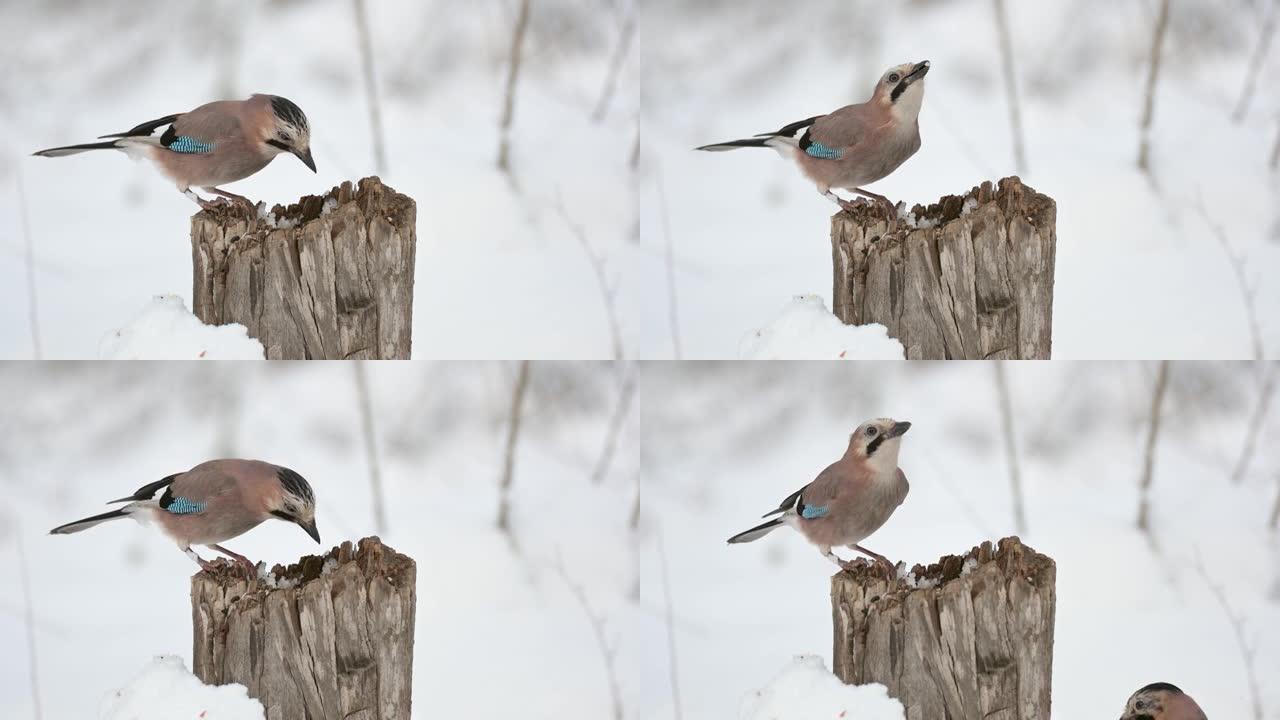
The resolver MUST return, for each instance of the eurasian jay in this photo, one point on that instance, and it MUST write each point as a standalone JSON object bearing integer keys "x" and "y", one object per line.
{"x": 857, "y": 144}
{"x": 217, "y": 143}
{"x": 849, "y": 500}
{"x": 214, "y": 502}
{"x": 1161, "y": 701}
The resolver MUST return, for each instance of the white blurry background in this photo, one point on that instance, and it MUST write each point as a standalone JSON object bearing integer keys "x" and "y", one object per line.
{"x": 1141, "y": 270}
{"x": 502, "y": 271}
{"x": 723, "y": 443}
{"x": 501, "y": 626}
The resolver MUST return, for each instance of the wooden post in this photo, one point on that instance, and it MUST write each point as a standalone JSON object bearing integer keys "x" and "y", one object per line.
{"x": 333, "y": 640}
{"x": 972, "y": 281}
{"x": 973, "y": 640}
{"x": 328, "y": 278}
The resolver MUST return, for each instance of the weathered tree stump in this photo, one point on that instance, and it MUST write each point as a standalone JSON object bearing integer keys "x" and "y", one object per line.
{"x": 972, "y": 280}
{"x": 973, "y": 640}
{"x": 328, "y": 278}
{"x": 333, "y": 640}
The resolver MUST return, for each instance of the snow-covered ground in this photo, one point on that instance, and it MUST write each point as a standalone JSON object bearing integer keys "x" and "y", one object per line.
{"x": 166, "y": 330}
{"x": 501, "y": 633}
{"x": 166, "y": 689}
{"x": 724, "y": 442}
{"x": 806, "y": 329}
{"x": 1140, "y": 272}
{"x": 500, "y": 273}
{"x": 807, "y": 690}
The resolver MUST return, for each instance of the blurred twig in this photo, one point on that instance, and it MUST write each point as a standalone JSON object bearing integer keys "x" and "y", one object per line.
{"x": 1274, "y": 162}
{"x": 1248, "y": 654}
{"x": 513, "y": 77}
{"x": 1256, "y": 422}
{"x": 1010, "y": 444}
{"x": 1011, "y": 86}
{"x": 1237, "y": 267}
{"x": 370, "y": 447}
{"x": 608, "y": 653}
{"x": 370, "y": 85}
{"x": 625, "y": 36}
{"x": 607, "y": 292}
{"x": 626, "y": 389}
{"x": 668, "y": 257}
{"x": 1149, "y": 462}
{"x": 671, "y": 631}
{"x": 29, "y": 260}
{"x": 29, "y": 621}
{"x": 1274, "y": 521}
{"x": 1153, "y": 74}
{"x": 1255, "y": 64}
{"x": 518, "y": 393}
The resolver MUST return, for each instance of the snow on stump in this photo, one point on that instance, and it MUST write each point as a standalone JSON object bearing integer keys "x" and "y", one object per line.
{"x": 968, "y": 638}
{"x": 327, "y": 278}
{"x": 328, "y": 638}
{"x": 968, "y": 278}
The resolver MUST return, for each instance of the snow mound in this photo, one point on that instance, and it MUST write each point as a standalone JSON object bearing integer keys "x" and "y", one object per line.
{"x": 165, "y": 690}
{"x": 806, "y": 330}
{"x": 166, "y": 330}
{"x": 806, "y": 690}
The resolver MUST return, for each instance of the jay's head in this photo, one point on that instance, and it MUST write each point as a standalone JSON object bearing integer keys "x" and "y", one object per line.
{"x": 877, "y": 442}
{"x": 1161, "y": 701}
{"x": 901, "y": 89}
{"x": 294, "y": 502}
{"x": 289, "y": 131}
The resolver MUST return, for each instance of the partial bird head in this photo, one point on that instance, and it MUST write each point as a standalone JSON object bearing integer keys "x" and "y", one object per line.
{"x": 1161, "y": 701}
{"x": 877, "y": 442}
{"x": 289, "y": 130}
{"x": 901, "y": 89}
{"x": 295, "y": 502}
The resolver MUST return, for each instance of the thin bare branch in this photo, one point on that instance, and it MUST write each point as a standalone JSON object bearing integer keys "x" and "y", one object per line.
{"x": 370, "y": 447}
{"x": 29, "y": 259}
{"x": 1274, "y": 521}
{"x": 625, "y": 36}
{"x": 1274, "y": 162}
{"x": 1011, "y": 87}
{"x": 626, "y": 389}
{"x": 29, "y": 621}
{"x": 1011, "y": 449}
{"x": 1153, "y": 75}
{"x": 607, "y": 292}
{"x": 668, "y": 257}
{"x": 608, "y": 653}
{"x": 672, "y": 664}
{"x": 370, "y": 86}
{"x": 1259, "y": 419}
{"x": 1153, "y": 437}
{"x": 1247, "y": 654}
{"x": 513, "y": 78}
{"x": 1255, "y": 64}
{"x": 1238, "y": 264}
{"x": 513, "y": 440}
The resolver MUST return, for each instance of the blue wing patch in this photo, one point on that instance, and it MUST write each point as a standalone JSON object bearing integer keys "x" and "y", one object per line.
{"x": 184, "y": 506}
{"x": 810, "y": 512}
{"x": 818, "y": 150}
{"x": 188, "y": 144}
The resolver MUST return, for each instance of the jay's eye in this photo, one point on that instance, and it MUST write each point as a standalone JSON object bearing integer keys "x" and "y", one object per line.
{"x": 893, "y": 77}
{"x": 871, "y": 431}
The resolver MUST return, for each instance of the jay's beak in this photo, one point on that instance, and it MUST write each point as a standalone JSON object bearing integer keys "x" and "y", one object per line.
{"x": 311, "y": 529}
{"x": 899, "y": 428}
{"x": 305, "y": 157}
{"x": 918, "y": 72}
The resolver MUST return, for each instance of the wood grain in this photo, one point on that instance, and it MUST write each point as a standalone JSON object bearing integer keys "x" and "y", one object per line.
{"x": 977, "y": 646}
{"x": 337, "y": 645}
{"x": 976, "y": 285}
{"x": 335, "y": 285}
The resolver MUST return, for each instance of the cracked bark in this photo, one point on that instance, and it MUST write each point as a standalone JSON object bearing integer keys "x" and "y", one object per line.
{"x": 977, "y": 646}
{"x": 975, "y": 285}
{"x": 336, "y": 285}
{"x": 337, "y": 645}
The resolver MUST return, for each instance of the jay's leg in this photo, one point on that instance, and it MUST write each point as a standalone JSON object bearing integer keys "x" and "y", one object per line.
{"x": 204, "y": 564}
{"x": 204, "y": 204}
{"x": 881, "y": 560}
{"x": 844, "y": 204}
{"x": 890, "y": 209}
{"x": 842, "y": 564}
{"x": 243, "y": 561}
{"x": 229, "y": 195}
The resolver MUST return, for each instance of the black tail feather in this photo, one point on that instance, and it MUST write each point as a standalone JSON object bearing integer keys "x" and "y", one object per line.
{"x": 69, "y": 149}
{"x": 145, "y": 128}
{"x": 86, "y": 523}
{"x": 756, "y": 532}
{"x": 747, "y": 142}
